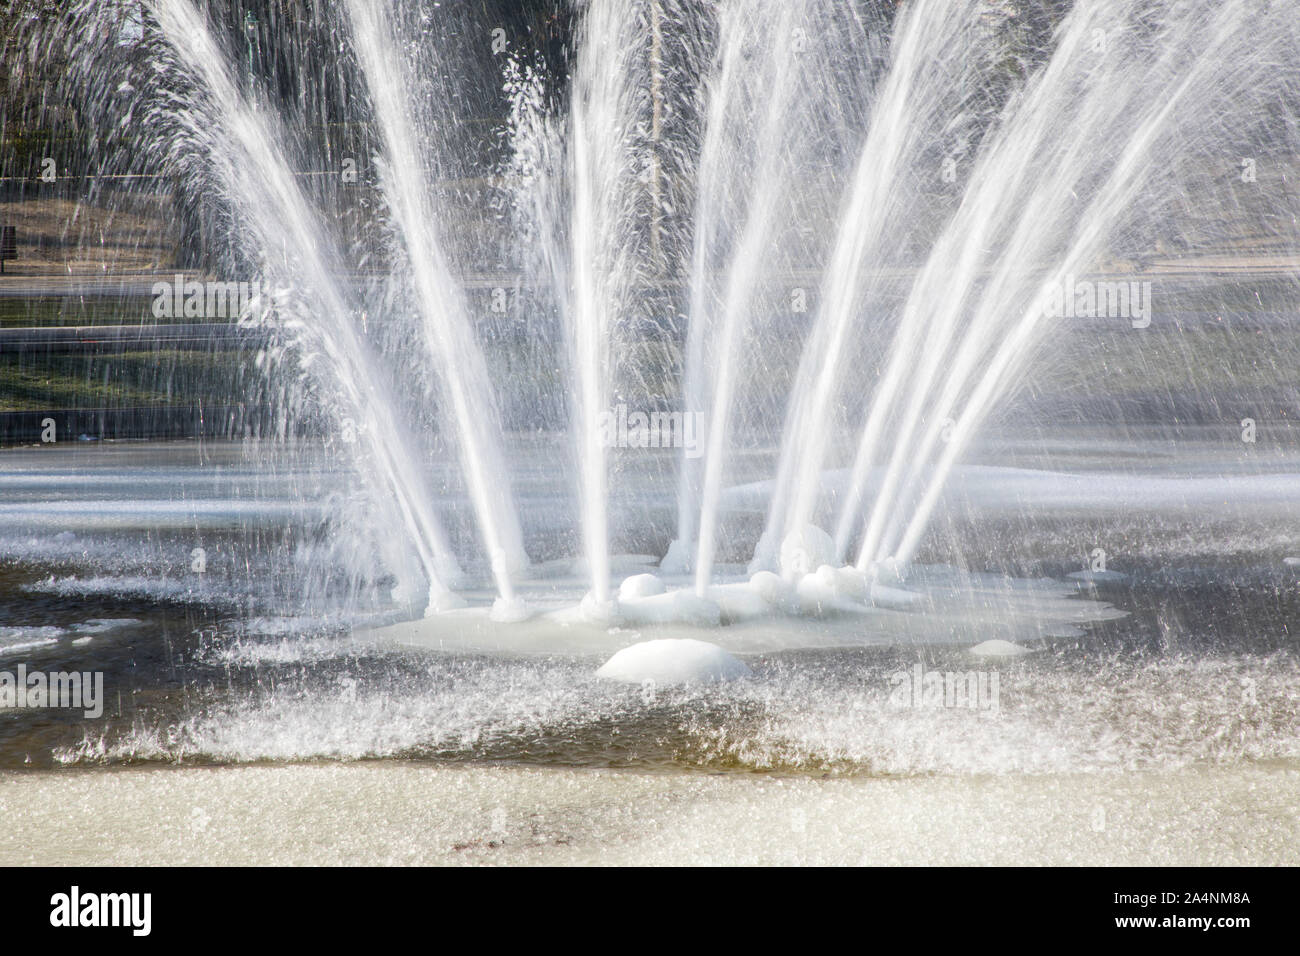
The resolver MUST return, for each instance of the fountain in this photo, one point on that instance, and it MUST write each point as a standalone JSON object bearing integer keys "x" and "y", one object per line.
{"x": 697, "y": 149}
{"x": 826, "y": 234}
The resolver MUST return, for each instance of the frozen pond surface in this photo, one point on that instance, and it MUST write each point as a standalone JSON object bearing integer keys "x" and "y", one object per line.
{"x": 1181, "y": 654}
{"x": 402, "y": 814}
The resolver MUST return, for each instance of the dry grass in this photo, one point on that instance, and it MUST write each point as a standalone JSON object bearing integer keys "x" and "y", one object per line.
{"x": 60, "y": 235}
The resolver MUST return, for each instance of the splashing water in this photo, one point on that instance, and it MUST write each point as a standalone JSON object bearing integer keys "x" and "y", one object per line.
{"x": 932, "y": 175}
{"x": 240, "y": 145}
{"x": 449, "y": 336}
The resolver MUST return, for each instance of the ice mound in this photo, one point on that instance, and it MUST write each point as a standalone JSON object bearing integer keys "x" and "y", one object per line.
{"x": 821, "y": 593}
{"x": 678, "y": 558}
{"x": 640, "y": 586}
{"x": 595, "y": 611}
{"x": 773, "y": 589}
{"x": 999, "y": 648}
{"x": 739, "y": 601}
{"x": 673, "y": 661}
{"x": 806, "y": 550}
{"x": 510, "y": 610}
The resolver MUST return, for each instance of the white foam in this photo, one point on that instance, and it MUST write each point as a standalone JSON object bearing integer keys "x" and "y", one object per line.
{"x": 103, "y": 625}
{"x": 1079, "y": 716}
{"x": 510, "y": 611}
{"x": 941, "y": 605}
{"x": 153, "y": 588}
{"x": 595, "y": 611}
{"x": 287, "y": 650}
{"x": 15, "y": 640}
